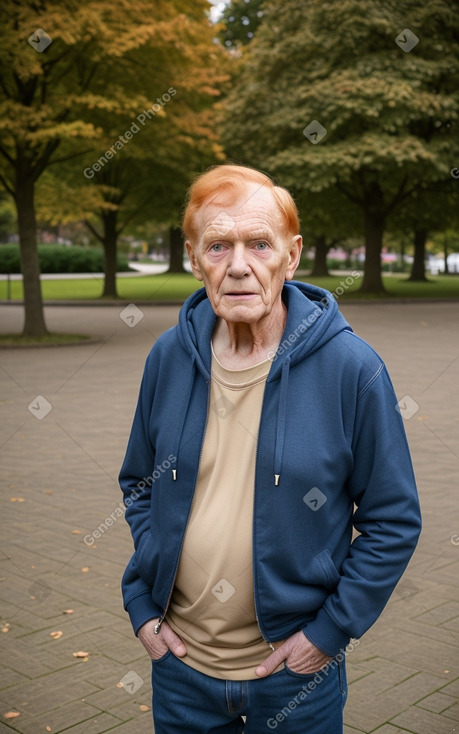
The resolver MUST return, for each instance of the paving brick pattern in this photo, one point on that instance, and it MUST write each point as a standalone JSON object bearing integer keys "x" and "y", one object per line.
{"x": 59, "y": 483}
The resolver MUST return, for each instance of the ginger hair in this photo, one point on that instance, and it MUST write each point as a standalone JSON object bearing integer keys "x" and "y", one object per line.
{"x": 223, "y": 185}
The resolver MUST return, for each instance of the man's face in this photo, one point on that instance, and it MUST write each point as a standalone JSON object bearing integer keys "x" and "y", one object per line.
{"x": 243, "y": 255}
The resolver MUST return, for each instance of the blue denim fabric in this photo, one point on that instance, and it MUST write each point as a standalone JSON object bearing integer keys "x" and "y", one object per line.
{"x": 186, "y": 701}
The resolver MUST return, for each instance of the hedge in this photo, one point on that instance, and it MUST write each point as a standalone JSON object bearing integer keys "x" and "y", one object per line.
{"x": 59, "y": 259}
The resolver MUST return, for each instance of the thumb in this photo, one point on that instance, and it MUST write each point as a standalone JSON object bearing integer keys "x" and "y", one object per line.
{"x": 173, "y": 641}
{"x": 269, "y": 665}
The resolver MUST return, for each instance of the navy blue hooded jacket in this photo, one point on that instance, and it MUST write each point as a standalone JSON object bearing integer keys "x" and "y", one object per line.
{"x": 331, "y": 454}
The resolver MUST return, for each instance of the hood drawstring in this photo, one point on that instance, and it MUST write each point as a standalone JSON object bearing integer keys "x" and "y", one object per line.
{"x": 187, "y": 403}
{"x": 281, "y": 421}
{"x": 313, "y": 318}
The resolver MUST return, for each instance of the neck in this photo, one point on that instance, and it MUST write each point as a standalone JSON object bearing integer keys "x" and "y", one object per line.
{"x": 240, "y": 345}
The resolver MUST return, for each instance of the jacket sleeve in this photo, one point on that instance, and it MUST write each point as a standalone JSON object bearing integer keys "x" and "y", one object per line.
{"x": 136, "y": 469}
{"x": 387, "y": 518}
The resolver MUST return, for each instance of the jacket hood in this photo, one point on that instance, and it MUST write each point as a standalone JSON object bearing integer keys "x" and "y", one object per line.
{"x": 313, "y": 319}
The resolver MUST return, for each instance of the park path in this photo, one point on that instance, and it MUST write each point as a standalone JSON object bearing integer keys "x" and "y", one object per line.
{"x": 65, "y": 418}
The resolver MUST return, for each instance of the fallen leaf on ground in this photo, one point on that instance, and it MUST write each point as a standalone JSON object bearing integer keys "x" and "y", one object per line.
{"x": 67, "y": 611}
{"x": 48, "y": 728}
{"x": 120, "y": 685}
{"x": 80, "y": 654}
{"x": 143, "y": 707}
{"x": 55, "y": 635}
{"x": 12, "y": 714}
{"x": 85, "y": 569}
{"x": 48, "y": 491}
{"x": 6, "y": 628}
{"x": 76, "y": 532}
{"x": 17, "y": 499}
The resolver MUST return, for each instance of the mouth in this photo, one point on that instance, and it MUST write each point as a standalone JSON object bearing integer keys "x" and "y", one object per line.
{"x": 241, "y": 295}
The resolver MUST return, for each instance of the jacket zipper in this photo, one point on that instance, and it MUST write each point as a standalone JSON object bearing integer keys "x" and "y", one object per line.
{"x": 253, "y": 544}
{"x": 158, "y": 624}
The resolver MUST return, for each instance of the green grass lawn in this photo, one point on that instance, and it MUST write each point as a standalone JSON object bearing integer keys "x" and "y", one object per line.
{"x": 439, "y": 286}
{"x": 178, "y": 287}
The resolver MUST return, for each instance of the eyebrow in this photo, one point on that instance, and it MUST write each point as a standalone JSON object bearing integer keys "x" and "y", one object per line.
{"x": 255, "y": 235}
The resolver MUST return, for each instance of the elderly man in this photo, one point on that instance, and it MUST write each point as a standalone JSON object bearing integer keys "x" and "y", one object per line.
{"x": 265, "y": 431}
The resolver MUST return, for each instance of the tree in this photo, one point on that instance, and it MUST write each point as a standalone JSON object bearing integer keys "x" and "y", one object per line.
{"x": 241, "y": 19}
{"x": 147, "y": 151}
{"x": 432, "y": 208}
{"x": 316, "y": 224}
{"x": 327, "y": 99}
{"x": 87, "y": 65}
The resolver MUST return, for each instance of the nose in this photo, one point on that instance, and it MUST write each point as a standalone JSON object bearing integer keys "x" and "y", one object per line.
{"x": 238, "y": 266}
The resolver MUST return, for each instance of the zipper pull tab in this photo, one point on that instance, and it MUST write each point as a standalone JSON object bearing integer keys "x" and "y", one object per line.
{"x": 276, "y": 480}
{"x": 174, "y": 474}
{"x": 158, "y": 625}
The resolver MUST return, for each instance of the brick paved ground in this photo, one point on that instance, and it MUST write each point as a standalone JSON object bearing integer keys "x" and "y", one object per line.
{"x": 59, "y": 483}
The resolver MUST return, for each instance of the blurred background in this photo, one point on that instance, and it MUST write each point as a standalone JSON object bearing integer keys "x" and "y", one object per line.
{"x": 108, "y": 111}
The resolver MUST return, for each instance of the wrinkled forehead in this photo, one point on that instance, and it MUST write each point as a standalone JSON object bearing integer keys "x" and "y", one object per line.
{"x": 254, "y": 210}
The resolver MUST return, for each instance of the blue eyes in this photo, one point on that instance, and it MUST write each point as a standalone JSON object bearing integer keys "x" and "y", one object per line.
{"x": 260, "y": 246}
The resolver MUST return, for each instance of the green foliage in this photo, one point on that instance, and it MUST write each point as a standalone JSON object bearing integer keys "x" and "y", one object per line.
{"x": 10, "y": 259}
{"x": 241, "y": 19}
{"x": 59, "y": 259}
{"x": 391, "y": 117}
{"x": 7, "y": 218}
{"x": 137, "y": 74}
{"x": 388, "y": 114}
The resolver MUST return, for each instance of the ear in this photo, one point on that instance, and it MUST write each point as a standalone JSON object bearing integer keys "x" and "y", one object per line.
{"x": 294, "y": 255}
{"x": 193, "y": 261}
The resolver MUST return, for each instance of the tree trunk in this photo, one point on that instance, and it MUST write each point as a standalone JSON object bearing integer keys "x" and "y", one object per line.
{"x": 320, "y": 256}
{"x": 176, "y": 250}
{"x": 418, "y": 272}
{"x": 34, "y": 318}
{"x": 445, "y": 253}
{"x": 110, "y": 247}
{"x": 374, "y": 220}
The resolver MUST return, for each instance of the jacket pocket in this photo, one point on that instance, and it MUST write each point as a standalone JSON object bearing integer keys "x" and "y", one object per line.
{"x": 324, "y": 566}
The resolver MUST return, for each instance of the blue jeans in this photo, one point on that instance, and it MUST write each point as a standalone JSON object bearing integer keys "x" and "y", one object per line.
{"x": 186, "y": 701}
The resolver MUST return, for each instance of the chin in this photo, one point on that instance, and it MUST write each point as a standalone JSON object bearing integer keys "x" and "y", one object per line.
{"x": 241, "y": 314}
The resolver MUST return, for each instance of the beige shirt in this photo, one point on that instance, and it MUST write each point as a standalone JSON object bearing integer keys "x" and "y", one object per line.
{"x": 212, "y": 606}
